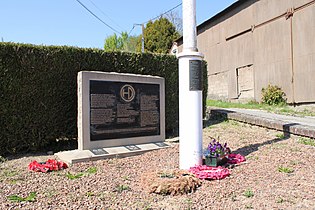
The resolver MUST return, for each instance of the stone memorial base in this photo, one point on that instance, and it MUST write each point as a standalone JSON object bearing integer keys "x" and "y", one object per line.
{"x": 76, "y": 156}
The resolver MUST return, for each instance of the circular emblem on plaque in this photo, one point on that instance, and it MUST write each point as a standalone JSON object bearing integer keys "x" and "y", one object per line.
{"x": 127, "y": 93}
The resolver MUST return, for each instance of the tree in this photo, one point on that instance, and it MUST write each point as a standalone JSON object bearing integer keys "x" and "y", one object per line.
{"x": 121, "y": 43}
{"x": 177, "y": 21}
{"x": 159, "y": 36}
{"x": 132, "y": 44}
{"x": 112, "y": 43}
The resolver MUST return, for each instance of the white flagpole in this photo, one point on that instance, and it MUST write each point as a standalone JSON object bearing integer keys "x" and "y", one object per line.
{"x": 190, "y": 92}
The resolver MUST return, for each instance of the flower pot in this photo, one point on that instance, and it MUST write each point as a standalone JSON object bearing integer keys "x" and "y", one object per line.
{"x": 215, "y": 161}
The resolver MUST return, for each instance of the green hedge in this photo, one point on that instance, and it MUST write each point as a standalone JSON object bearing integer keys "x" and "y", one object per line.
{"x": 38, "y": 90}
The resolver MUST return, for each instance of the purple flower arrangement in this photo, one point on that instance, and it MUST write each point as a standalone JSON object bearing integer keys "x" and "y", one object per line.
{"x": 216, "y": 149}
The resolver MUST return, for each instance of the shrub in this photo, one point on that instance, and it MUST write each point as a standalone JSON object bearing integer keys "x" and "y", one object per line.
{"x": 273, "y": 95}
{"x": 38, "y": 90}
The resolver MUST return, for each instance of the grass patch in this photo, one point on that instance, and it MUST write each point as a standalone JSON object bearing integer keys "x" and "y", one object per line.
{"x": 91, "y": 170}
{"x": 285, "y": 169}
{"x": 280, "y": 135}
{"x": 50, "y": 193}
{"x": 10, "y": 176}
{"x": 249, "y": 193}
{"x": 15, "y": 181}
{"x": 2, "y": 159}
{"x": 233, "y": 123}
{"x": 225, "y": 104}
{"x": 280, "y": 109}
{"x": 121, "y": 188}
{"x": 166, "y": 175}
{"x": 74, "y": 176}
{"x": 280, "y": 200}
{"x": 30, "y": 198}
{"x": 307, "y": 141}
{"x": 9, "y": 173}
{"x": 89, "y": 194}
{"x": 228, "y": 123}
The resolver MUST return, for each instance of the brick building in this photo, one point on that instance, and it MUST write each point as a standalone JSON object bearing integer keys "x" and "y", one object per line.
{"x": 253, "y": 43}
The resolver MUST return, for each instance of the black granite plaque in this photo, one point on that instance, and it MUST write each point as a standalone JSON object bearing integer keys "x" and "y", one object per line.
{"x": 123, "y": 110}
{"x": 195, "y": 75}
{"x": 99, "y": 151}
{"x": 132, "y": 147}
{"x": 161, "y": 144}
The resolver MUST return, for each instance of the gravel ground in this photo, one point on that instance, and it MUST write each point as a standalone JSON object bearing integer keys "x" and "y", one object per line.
{"x": 116, "y": 183}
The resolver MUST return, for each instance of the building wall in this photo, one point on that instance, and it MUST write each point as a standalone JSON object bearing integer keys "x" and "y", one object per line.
{"x": 285, "y": 48}
{"x": 304, "y": 53}
{"x": 217, "y": 88}
{"x": 225, "y": 56}
{"x": 258, "y": 43}
{"x": 272, "y": 57}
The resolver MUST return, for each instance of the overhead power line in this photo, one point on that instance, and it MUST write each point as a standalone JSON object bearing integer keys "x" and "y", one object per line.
{"x": 106, "y": 15}
{"x": 131, "y": 29}
{"x": 163, "y": 13}
{"x": 97, "y": 17}
{"x": 154, "y": 18}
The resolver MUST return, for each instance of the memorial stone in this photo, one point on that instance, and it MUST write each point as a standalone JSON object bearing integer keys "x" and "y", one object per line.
{"x": 119, "y": 109}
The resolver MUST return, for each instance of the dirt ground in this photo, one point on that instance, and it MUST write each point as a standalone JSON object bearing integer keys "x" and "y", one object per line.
{"x": 279, "y": 174}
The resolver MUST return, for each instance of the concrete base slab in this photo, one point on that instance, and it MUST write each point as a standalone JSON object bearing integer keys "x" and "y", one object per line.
{"x": 76, "y": 156}
{"x": 301, "y": 126}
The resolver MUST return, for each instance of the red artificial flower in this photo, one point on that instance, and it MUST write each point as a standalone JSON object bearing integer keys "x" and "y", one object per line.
{"x": 62, "y": 165}
{"x": 49, "y": 165}
{"x": 209, "y": 172}
{"x": 235, "y": 158}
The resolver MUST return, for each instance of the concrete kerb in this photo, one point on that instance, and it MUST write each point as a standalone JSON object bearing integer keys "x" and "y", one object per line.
{"x": 276, "y": 124}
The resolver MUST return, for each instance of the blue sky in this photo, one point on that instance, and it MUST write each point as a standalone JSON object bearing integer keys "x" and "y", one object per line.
{"x": 66, "y": 22}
